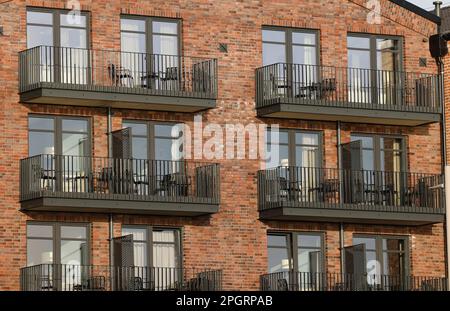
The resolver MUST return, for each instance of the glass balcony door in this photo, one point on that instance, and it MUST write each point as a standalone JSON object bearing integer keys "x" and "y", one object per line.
{"x": 374, "y": 69}
{"x": 64, "y": 148}
{"x": 150, "y": 53}
{"x": 62, "y": 40}
{"x": 374, "y": 166}
{"x": 295, "y": 53}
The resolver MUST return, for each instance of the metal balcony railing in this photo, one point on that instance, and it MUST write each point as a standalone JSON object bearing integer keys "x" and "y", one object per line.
{"x": 64, "y": 277}
{"x": 350, "y": 189}
{"x": 347, "y": 88}
{"x": 117, "y": 72}
{"x": 308, "y": 281}
{"x": 65, "y": 176}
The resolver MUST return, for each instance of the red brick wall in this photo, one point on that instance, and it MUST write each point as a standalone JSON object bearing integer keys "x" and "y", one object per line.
{"x": 234, "y": 238}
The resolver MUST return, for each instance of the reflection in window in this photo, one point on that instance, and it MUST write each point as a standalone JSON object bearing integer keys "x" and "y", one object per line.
{"x": 384, "y": 256}
{"x": 308, "y": 247}
{"x": 369, "y": 53}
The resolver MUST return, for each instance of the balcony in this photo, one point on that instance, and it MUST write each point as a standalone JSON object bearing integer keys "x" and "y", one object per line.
{"x": 63, "y": 277}
{"x": 95, "y": 184}
{"x": 335, "y": 195}
{"x": 347, "y": 94}
{"x": 308, "y": 281}
{"x": 101, "y": 78}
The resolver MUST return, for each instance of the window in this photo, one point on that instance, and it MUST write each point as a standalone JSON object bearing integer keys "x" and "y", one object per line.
{"x": 155, "y": 247}
{"x": 152, "y": 140}
{"x": 373, "y": 61}
{"x": 293, "y": 148}
{"x": 293, "y": 55}
{"x": 384, "y": 255}
{"x": 48, "y": 28}
{"x": 54, "y": 135}
{"x": 56, "y": 28}
{"x": 379, "y": 153}
{"x": 298, "y": 252}
{"x": 150, "y": 49}
{"x": 294, "y": 46}
{"x": 57, "y": 243}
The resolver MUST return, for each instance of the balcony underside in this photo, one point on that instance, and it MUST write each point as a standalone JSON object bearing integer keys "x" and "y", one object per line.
{"x": 342, "y": 214}
{"x": 120, "y": 205}
{"x": 127, "y": 98}
{"x": 309, "y": 110}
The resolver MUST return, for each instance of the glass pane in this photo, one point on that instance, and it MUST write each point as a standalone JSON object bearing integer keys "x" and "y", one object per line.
{"x": 164, "y": 236}
{"x": 273, "y": 53}
{"x": 306, "y": 156}
{"x": 132, "y": 42}
{"x": 73, "y": 20}
{"x": 166, "y": 45}
{"x": 163, "y": 149}
{"x": 386, "y": 61}
{"x": 393, "y": 264}
{"x": 40, "y": 231}
{"x": 72, "y": 252}
{"x": 39, "y": 17}
{"x": 139, "y": 234}
{"x": 69, "y": 125}
{"x": 369, "y": 242}
{"x": 359, "y": 59}
{"x": 277, "y": 240}
{"x": 165, "y": 27}
{"x": 278, "y": 259}
{"x": 73, "y": 232}
{"x": 305, "y": 55}
{"x": 274, "y": 35}
{"x": 303, "y": 38}
{"x": 75, "y": 144}
{"x": 41, "y": 123}
{"x": 39, "y": 252}
{"x": 309, "y": 260}
{"x": 39, "y": 35}
{"x": 390, "y": 143}
{"x": 140, "y": 147}
{"x": 164, "y": 256}
{"x": 373, "y": 266}
{"x": 136, "y": 128}
{"x": 366, "y": 141}
{"x": 140, "y": 254}
{"x": 386, "y": 44}
{"x": 393, "y": 245}
{"x": 163, "y": 130}
{"x": 306, "y": 240}
{"x": 358, "y": 42}
{"x": 41, "y": 143}
{"x": 368, "y": 160}
{"x": 132, "y": 24}
{"x": 306, "y": 139}
{"x": 73, "y": 38}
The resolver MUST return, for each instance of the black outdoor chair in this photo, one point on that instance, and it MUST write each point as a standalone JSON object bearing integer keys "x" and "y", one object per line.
{"x": 120, "y": 76}
{"x": 282, "y": 285}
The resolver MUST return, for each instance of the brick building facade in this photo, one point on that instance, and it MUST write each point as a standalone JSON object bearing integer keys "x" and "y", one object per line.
{"x": 234, "y": 239}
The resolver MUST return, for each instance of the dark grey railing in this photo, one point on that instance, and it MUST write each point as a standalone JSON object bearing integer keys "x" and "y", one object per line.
{"x": 347, "y": 87}
{"x": 359, "y": 190}
{"x": 115, "y": 71}
{"x": 307, "y": 281}
{"x": 63, "y": 277}
{"x": 112, "y": 178}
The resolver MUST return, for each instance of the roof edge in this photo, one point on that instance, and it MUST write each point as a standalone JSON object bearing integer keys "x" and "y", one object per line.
{"x": 418, "y": 10}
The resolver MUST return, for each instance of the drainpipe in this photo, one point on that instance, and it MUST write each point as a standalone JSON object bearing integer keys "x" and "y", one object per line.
{"x": 111, "y": 224}
{"x": 446, "y": 168}
{"x": 341, "y": 193}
